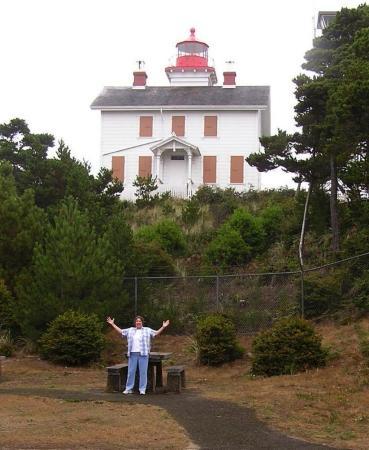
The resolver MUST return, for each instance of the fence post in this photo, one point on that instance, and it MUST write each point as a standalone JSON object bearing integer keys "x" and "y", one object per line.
{"x": 217, "y": 287}
{"x": 136, "y": 289}
{"x": 302, "y": 308}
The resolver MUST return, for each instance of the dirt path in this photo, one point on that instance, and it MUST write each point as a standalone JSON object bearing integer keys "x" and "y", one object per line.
{"x": 211, "y": 424}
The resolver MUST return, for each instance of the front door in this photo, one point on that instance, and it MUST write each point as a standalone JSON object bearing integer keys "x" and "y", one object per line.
{"x": 175, "y": 171}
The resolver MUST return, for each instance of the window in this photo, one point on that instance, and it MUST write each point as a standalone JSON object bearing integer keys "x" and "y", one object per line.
{"x": 117, "y": 166}
{"x": 145, "y": 126}
{"x": 210, "y": 125}
{"x": 209, "y": 169}
{"x": 144, "y": 166}
{"x": 178, "y": 125}
{"x": 236, "y": 169}
{"x": 177, "y": 158}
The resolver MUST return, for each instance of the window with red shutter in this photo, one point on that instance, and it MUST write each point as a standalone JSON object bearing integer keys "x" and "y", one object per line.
{"x": 209, "y": 169}
{"x": 236, "y": 169}
{"x": 145, "y": 126}
{"x": 117, "y": 166}
{"x": 144, "y": 166}
{"x": 210, "y": 125}
{"x": 178, "y": 125}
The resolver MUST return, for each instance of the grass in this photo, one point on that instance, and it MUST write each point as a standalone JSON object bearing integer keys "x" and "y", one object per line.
{"x": 328, "y": 405}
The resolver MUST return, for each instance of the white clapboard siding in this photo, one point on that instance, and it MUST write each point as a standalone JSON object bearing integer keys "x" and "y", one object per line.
{"x": 238, "y": 135}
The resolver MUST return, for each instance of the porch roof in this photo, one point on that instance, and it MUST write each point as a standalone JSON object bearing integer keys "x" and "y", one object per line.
{"x": 174, "y": 143}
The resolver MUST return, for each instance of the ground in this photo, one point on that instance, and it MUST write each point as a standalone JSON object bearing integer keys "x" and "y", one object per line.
{"x": 46, "y": 406}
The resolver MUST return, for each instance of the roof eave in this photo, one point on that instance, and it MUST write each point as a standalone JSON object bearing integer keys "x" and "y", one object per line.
{"x": 181, "y": 107}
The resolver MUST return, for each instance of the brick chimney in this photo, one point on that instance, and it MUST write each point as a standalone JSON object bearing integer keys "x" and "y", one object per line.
{"x": 229, "y": 79}
{"x": 139, "y": 79}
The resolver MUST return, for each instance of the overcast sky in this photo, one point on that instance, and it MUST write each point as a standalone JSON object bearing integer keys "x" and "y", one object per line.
{"x": 57, "y": 55}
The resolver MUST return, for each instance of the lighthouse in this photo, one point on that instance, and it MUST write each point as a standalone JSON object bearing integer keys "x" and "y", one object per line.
{"x": 192, "y": 64}
{"x": 191, "y": 133}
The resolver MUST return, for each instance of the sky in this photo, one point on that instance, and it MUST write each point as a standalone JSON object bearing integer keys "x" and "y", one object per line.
{"x": 57, "y": 55}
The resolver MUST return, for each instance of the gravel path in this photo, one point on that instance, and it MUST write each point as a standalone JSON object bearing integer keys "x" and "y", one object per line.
{"x": 211, "y": 424}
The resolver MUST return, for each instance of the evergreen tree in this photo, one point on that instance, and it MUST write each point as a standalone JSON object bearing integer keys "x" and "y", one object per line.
{"x": 72, "y": 269}
{"x": 21, "y": 226}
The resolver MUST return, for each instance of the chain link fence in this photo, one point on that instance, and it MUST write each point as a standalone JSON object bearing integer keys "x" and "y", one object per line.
{"x": 252, "y": 300}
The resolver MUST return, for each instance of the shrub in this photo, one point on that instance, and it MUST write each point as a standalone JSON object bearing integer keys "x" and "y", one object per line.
{"x": 7, "y": 346}
{"x": 145, "y": 186}
{"x": 165, "y": 233}
{"x": 290, "y": 346}
{"x": 216, "y": 339}
{"x": 73, "y": 338}
{"x": 323, "y": 292}
{"x": 228, "y": 248}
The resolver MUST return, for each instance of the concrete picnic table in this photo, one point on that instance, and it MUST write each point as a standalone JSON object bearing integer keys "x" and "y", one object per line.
{"x": 155, "y": 370}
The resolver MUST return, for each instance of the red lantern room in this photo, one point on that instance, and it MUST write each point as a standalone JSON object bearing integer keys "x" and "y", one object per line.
{"x": 192, "y": 68}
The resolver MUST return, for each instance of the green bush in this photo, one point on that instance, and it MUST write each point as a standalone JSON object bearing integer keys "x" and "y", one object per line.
{"x": 165, "y": 233}
{"x": 228, "y": 249}
{"x": 73, "y": 338}
{"x": 323, "y": 292}
{"x": 216, "y": 340}
{"x": 290, "y": 346}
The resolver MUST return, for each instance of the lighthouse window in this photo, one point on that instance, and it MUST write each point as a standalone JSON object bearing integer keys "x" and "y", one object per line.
{"x": 177, "y": 158}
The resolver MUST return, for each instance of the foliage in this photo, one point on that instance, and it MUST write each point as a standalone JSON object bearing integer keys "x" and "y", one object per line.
{"x": 73, "y": 338}
{"x": 72, "y": 269}
{"x": 228, "y": 249}
{"x": 150, "y": 260}
{"x": 331, "y": 112}
{"x": 21, "y": 225}
{"x": 7, "y": 309}
{"x": 166, "y": 233}
{"x": 216, "y": 339}
{"x": 290, "y": 346}
{"x": 145, "y": 186}
{"x": 360, "y": 292}
{"x": 191, "y": 212}
{"x": 241, "y": 237}
{"x": 323, "y": 292}
{"x": 7, "y": 346}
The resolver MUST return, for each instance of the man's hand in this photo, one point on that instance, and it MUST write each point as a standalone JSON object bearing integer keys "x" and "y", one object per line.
{"x": 166, "y": 323}
{"x": 110, "y": 320}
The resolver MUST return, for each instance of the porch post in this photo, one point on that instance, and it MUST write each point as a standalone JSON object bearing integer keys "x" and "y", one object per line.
{"x": 157, "y": 157}
{"x": 189, "y": 175}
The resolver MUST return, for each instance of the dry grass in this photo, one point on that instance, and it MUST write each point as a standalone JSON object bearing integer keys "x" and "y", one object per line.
{"x": 48, "y": 423}
{"x": 329, "y": 405}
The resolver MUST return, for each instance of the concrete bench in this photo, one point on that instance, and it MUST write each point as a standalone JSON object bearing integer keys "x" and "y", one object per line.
{"x": 117, "y": 377}
{"x": 176, "y": 379}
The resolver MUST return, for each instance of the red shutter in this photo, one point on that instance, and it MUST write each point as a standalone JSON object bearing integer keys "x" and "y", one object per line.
{"x": 144, "y": 166}
{"x": 178, "y": 125}
{"x": 210, "y": 125}
{"x": 209, "y": 169}
{"x": 237, "y": 169}
{"x": 145, "y": 126}
{"x": 117, "y": 166}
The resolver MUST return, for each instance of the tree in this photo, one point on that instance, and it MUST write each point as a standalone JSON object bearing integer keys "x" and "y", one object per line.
{"x": 72, "y": 269}
{"x": 322, "y": 110}
{"x": 145, "y": 186}
{"x": 21, "y": 226}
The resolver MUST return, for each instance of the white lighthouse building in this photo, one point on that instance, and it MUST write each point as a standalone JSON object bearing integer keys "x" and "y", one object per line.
{"x": 190, "y": 133}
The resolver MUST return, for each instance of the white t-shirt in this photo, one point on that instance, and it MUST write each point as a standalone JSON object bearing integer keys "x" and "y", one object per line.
{"x": 136, "y": 342}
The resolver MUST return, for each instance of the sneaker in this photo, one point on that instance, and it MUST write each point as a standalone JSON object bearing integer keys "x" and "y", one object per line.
{"x": 128, "y": 391}
{"x": 142, "y": 392}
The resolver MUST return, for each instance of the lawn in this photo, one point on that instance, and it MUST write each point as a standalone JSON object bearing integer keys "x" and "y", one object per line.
{"x": 329, "y": 405}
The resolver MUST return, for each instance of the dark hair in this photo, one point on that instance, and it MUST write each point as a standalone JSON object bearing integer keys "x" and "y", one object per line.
{"x": 138, "y": 317}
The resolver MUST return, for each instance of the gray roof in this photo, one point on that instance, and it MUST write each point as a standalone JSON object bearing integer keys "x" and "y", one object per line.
{"x": 115, "y": 97}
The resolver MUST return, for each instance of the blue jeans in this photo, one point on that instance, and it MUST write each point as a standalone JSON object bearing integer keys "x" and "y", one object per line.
{"x": 143, "y": 363}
